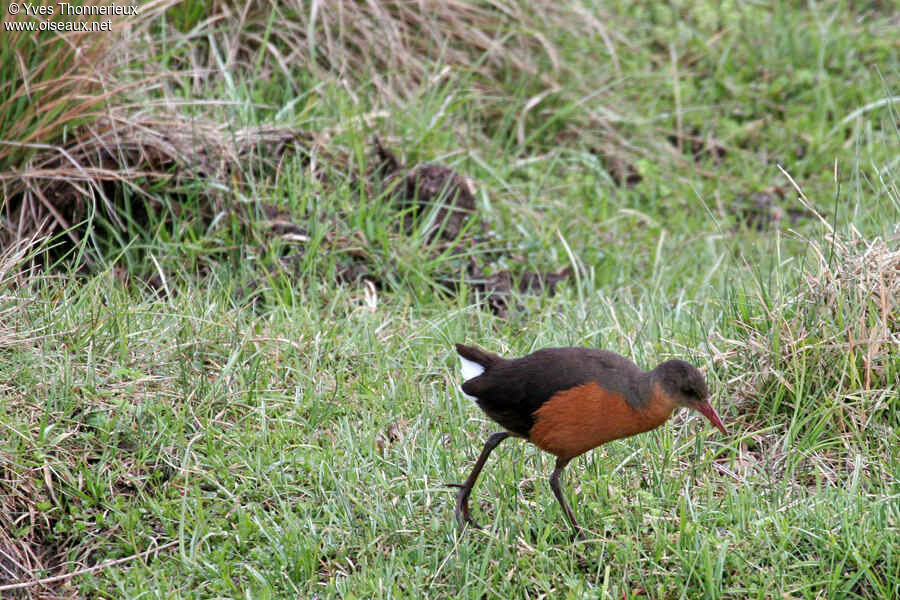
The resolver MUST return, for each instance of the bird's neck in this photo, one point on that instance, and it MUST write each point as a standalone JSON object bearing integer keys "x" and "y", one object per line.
{"x": 655, "y": 405}
{"x": 641, "y": 393}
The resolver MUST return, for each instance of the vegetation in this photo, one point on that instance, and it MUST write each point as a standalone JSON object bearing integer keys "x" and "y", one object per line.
{"x": 226, "y": 336}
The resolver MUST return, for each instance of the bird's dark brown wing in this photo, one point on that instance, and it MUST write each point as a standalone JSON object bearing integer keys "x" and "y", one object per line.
{"x": 510, "y": 391}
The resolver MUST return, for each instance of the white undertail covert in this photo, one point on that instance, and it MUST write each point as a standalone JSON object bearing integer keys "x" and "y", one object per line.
{"x": 470, "y": 370}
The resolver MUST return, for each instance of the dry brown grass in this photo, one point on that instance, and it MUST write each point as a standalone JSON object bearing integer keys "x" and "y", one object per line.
{"x": 56, "y": 86}
{"x": 95, "y": 129}
{"x": 63, "y": 186}
{"x": 398, "y": 43}
{"x": 79, "y": 130}
{"x": 494, "y": 50}
{"x": 817, "y": 357}
{"x": 51, "y": 80}
{"x": 837, "y": 334}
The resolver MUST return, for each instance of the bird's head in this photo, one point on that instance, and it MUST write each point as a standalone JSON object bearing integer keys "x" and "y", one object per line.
{"x": 685, "y": 385}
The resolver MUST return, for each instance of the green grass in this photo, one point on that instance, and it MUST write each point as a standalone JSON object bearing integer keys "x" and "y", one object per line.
{"x": 294, "y": 440}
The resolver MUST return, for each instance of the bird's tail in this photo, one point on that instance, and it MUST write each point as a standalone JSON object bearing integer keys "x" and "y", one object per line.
{"x": 474, "y": 360}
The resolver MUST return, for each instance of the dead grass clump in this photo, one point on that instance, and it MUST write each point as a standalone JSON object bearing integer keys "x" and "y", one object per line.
{"x": 63, "y": 186}
{"x": 75, "y": 144}
{"x": 815, "y": 369}
{"x": 836, "y": 338}
{"x": 87, "y": 145}
{"x": 53, "y": 84}
{"x": 398, "y": 43}
{"x": 515, "y": 58}
{"x": 51, "y": 81}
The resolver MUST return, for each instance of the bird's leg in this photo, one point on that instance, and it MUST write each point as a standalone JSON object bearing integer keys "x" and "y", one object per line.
{"x": 462, "y": 498}
{"x": 557, "y": 491}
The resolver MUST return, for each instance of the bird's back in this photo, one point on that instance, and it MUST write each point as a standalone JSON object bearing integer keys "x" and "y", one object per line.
{"x": 510, "y": 391}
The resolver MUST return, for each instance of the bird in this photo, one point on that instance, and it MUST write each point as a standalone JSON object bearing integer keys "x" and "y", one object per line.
{"x": 567, "y": 401}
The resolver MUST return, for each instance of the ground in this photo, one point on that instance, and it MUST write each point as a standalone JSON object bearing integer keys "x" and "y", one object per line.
{"x": 231, "y": 285}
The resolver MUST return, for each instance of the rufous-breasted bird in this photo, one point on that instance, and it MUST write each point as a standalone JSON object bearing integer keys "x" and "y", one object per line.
{"x": 567, "y": 401}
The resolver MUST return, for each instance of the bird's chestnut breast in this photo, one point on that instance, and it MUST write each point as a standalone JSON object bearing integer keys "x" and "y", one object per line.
{"x": 576, "y": 420}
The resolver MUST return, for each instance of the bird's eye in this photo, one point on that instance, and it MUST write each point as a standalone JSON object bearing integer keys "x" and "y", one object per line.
{"x": 687, "y": 391}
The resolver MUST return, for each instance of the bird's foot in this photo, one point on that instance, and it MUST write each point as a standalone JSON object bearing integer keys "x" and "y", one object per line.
{"x": 463, "y": 518}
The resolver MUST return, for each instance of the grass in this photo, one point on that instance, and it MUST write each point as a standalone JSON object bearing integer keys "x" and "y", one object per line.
{"x": 209, "y": 406}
